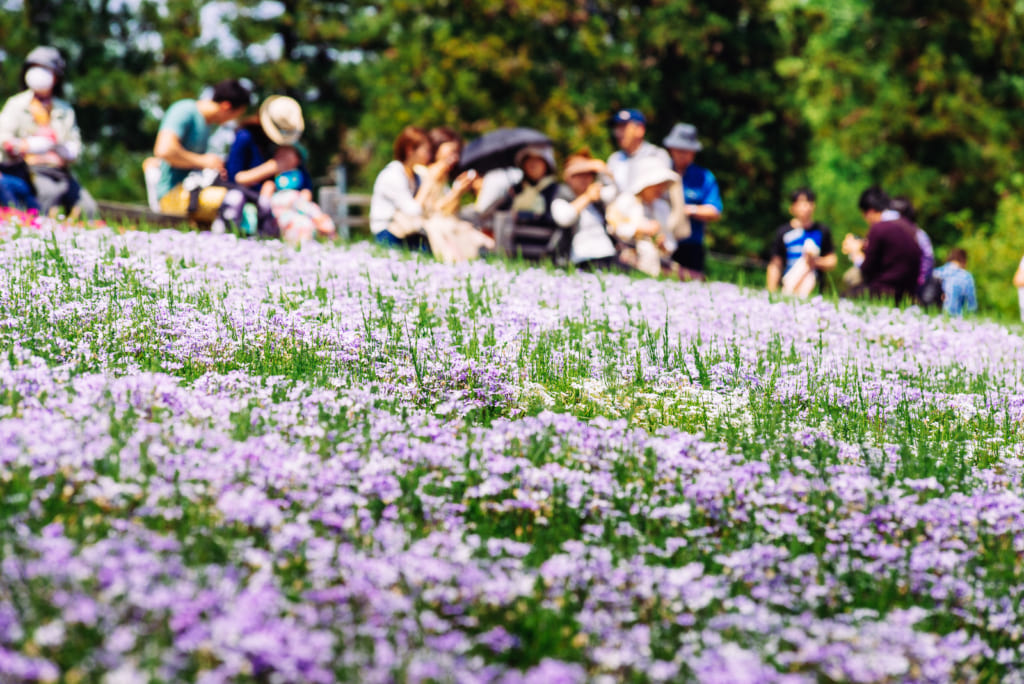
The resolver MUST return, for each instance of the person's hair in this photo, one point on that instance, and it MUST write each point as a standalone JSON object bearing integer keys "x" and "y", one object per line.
{"x": 958, "y": 255}
{"x": 802, "y": 191}
{"x": 440, "y": 135}
{"x": 873, "y": 199}
{"x": 904, "y": 206}
{"x": 232, "y": 90}
{"x": 409, "y": 139}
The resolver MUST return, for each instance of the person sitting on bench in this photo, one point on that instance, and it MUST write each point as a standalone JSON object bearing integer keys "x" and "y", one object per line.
{"x": 530, "y": 199}
{"x": 265, "y": 147}
{"x": 182, "y": 145}
{"x": 40, "y": 138}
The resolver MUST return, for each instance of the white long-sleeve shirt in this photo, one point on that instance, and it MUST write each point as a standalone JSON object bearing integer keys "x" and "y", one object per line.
{"x": 393, "y": 191}
{"x": 591, "y": 240}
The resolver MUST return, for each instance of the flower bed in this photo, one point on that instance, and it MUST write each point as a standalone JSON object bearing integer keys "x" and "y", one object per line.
{"x": 226, "y": 460}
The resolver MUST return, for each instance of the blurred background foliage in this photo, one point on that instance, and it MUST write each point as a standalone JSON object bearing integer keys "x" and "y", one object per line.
{"x": 922, "y": 98}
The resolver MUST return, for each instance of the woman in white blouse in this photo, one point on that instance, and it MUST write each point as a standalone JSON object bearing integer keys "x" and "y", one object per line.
{"x": 397, "y": 207}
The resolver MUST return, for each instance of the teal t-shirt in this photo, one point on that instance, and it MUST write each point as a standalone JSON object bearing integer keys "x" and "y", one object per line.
{"x": 184, "y": 120}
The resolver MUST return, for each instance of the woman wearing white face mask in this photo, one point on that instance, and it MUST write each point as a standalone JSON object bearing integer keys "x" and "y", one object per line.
{"x": 39, "y": 129}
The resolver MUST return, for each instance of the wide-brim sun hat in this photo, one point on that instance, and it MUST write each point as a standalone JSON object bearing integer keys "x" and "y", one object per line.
{"x": 683, "y": 137}
{"x": 651, "y": 172}
{"x": 281, "y": 119}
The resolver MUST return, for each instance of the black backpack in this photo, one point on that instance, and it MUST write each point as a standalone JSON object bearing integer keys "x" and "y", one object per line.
{"x": 930, "y": 294}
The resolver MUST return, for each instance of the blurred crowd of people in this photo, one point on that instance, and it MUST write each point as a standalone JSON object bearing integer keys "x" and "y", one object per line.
{"x": 646, "y": 208}
{"x": 262, "y": 186}
{"x": 894, "y": 260}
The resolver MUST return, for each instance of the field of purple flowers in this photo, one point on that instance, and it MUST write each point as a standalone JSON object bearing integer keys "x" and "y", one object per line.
{"x": 227, "y": 460}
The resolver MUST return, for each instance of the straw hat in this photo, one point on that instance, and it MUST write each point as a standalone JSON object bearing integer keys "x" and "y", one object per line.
{"x": 651, "y": 171}
{"x": 281, "y": 119}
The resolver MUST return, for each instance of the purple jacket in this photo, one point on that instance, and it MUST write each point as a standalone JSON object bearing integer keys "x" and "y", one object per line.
{"x": 892, "y": 259}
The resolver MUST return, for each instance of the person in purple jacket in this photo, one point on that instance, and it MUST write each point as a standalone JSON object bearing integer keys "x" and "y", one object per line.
{"x": 925, "y": 294}
{"x": 889, "y": 258}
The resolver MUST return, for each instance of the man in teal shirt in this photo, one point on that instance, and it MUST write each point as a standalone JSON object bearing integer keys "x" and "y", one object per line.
{"x": 182, "y": 143}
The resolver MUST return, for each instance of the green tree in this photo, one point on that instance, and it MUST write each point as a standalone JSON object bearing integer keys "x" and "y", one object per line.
{"x": 563, "y": 67}
{"x": 124, "y": 65}
{"x": 924, "y": 99}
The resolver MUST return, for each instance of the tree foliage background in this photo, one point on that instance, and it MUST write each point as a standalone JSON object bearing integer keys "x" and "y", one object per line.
{"x": 922, "y": 98}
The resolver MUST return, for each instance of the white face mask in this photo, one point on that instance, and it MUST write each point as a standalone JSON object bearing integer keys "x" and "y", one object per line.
{"x": 40, "y": 80}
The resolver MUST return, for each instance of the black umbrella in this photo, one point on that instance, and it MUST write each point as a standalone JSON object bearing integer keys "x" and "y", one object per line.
{"x": 498, "y": 148}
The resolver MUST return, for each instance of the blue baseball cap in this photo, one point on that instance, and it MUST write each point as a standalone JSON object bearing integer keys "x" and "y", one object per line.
{"x": 626, "y": 115}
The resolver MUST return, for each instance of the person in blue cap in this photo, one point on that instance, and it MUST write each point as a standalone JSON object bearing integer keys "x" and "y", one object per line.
{"x": 629, "y": 126}
{"x": 700, "y": 190}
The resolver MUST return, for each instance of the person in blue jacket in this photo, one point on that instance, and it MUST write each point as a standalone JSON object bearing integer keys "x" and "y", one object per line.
{"x": 264, "y": 148}
{"x": 700, "y": 190}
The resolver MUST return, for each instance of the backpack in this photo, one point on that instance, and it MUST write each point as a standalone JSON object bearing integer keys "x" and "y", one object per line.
{"x": 930, "y": 294}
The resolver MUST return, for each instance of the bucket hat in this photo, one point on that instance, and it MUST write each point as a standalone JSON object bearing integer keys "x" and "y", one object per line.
{"x": 683, "y": 137}
{"x": 579, "y": 163}
{"x": 542, "y": 151}
{"x": 48, "y": 58}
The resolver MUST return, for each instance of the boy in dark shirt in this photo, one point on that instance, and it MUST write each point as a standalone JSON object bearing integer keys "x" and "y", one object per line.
{"x": 802, "y": 251}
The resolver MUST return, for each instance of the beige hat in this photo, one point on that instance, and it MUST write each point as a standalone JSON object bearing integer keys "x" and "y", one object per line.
{"x": 281, "y": 119}
{"x": 651, "y": 171}
{"x": 579, "y": 163}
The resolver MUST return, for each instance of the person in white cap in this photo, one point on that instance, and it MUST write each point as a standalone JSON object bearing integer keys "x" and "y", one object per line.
{"x": 643, "y": 216}
{"x": 38, "y": 128}
{"x": 181, "y": 144}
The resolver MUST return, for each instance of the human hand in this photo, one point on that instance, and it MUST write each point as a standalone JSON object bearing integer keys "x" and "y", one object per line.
{"x": 851, "y": 244}
{"x": 438, "y": 170}
{"x": 593, "y": 191}
{"x": 15, "y": 147}
{"x": 49, "y": 158}
{"x": 648, "y": 227}
{"x": 212, "y": 161}
{"x": 464, "y": 181}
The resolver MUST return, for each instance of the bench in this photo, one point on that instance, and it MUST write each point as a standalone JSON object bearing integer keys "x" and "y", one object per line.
{"x": 349, "y": 210}
{"x": 123, "y": 212}
{"x": 533, "y": 243}
{"x": 149, "y": 213}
